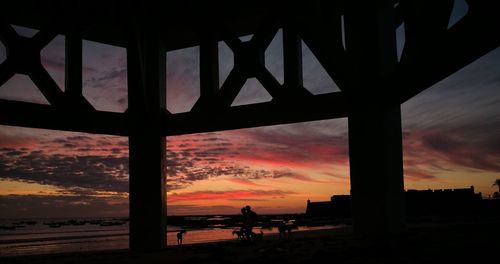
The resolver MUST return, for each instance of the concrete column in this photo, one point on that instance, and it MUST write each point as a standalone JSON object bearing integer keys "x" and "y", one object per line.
{"x": 375, "y": 141}
{"x": 376, "y": 166}
{"x": 146, "y": 99}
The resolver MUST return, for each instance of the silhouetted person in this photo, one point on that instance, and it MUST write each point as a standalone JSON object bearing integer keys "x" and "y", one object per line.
{"x": 282, "y": 229}
{"x": 250, "y": 220}
{"x": 285, "y": 229}
{"x": 243, "y": 223}
{"x": 179, "y": 237}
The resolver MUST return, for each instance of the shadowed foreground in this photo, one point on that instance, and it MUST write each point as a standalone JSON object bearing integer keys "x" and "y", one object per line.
{"x": 423, "y": 243}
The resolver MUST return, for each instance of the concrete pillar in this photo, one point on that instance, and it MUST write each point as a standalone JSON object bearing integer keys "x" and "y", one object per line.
{"x": 146, "y": 99}
{"x": 376, "y": 166}
{"x": 375, "y": 141}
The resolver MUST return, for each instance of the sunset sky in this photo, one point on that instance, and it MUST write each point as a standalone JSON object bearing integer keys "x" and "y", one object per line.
{"x": 450, "y": 141}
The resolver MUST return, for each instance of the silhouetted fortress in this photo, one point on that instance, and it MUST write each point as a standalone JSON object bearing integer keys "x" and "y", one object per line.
{"x": 338, "y": 206}
{"x": 418, "y": 203}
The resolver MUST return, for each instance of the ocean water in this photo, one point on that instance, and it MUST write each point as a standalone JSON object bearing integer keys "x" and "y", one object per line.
{"x": 40, "y": 238}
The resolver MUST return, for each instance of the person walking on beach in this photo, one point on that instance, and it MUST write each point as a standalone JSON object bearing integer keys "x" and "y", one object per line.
{"x": 179, "y": 237}
{"x": 243, "y": 223}
{"x": 250, "y": 220}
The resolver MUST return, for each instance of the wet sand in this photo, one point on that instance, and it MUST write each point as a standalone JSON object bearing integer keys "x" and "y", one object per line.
{"x": 465, "y": 242}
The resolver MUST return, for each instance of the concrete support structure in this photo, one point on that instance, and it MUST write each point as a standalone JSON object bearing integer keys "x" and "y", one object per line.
{"x": 146, "y": 97}
{"x": 375, "y": 142}
{"x": 372, "y": 81}
{"x": 376, "y": 166}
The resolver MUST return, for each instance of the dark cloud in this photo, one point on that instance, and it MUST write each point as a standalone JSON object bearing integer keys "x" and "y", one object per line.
{"x": 87, "y": 144}
{"x": 223, "y": 144}
{"x": 6, "y": 149}
{"x": 59, "y": 141}
{"x": 175, "y": 184}
{"x": 188, "y": 162}
{"x": 296, "y": 145}
{"x": 98, "y": 173}
{"x": 107, "y": 78}
{"x": 445, "y": 148}
{"x": 116, "y": 150}
{"x": 85, "y": 150}
{"x": 123, "y": 143}
{"x": 212, "y": 139}
{"x": 78, "y": 138}
{"x": 103, "y": 142}
{"x": 446, "y": 143}
{"x": 14, "y": 153}
{"x": 40, "y": 206}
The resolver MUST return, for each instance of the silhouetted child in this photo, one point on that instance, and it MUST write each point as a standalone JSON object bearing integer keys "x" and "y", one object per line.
{"x": 179, "y": 237}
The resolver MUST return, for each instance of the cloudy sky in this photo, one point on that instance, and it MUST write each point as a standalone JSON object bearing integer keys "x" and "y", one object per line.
{"x": 450, "y": 141}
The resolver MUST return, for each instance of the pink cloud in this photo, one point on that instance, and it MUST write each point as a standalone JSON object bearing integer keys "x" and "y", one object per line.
{"x": 245, "y": 182}
{"x": 226, "y": 195}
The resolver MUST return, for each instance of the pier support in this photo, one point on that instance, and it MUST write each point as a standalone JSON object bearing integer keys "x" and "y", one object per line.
{"x": 376, "y": 166}
{"x": 146, "y": 97}
{"x": 375, "y": 136}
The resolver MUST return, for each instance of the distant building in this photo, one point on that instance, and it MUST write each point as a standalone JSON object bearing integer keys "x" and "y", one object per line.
{"x": 447, "y": 202}
{"x": 338, "y": 206}
{"x": 319, "y": 208}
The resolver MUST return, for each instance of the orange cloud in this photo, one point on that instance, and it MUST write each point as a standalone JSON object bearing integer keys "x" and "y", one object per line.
{"x": 245, "y": 182}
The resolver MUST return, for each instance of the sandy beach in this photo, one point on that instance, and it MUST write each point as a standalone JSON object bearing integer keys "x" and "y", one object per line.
{"x": 447, "y": 242}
